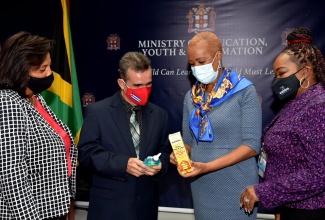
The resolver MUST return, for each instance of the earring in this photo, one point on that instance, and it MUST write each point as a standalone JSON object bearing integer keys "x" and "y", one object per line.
{"x": 301, "y": 82}
{"x": 219, "y": 66}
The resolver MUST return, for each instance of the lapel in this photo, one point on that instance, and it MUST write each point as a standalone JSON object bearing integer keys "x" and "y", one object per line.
{"x": 121, "y": 122}
{"x": 39, "y": 119}
{"x": 56, "y": 118}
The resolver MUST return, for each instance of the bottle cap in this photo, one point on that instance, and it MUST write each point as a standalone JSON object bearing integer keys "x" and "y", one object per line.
{"x": 156, "y": 157}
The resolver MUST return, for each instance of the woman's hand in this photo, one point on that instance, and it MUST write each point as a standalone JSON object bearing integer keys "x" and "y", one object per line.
{"x": 172, "y": 159}
{"x": 248, "y": 199}
{"x": 277, "y": 216}
{"x": 198, "y": 168}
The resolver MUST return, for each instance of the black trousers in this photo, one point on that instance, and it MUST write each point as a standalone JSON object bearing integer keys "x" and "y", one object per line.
{"x": 301, "y": 214}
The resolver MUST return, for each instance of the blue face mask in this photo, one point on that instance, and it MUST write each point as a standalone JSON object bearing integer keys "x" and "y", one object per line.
{"x": 205, "y": 73}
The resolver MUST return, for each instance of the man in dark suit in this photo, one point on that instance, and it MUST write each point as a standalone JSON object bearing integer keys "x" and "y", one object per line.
{"x": 123, "y": 187}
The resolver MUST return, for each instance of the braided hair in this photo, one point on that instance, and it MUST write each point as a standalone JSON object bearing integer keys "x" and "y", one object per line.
{"x": 301, "y": 51}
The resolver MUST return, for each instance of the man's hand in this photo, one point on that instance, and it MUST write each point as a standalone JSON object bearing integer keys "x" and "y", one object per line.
{"x": 153, "y": 170}
{"x": 135, "y": 167}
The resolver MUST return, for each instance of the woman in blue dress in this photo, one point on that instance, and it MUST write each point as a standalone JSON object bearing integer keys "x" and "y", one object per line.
{"x": 222, "y": 123}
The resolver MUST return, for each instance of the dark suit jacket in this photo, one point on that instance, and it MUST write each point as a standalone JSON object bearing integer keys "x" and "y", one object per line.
{"x": 105, "y": 146}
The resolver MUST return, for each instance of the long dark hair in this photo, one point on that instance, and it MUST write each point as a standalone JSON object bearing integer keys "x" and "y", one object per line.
{"x": 19, "y": 54}
{"x": 301, "y": 51}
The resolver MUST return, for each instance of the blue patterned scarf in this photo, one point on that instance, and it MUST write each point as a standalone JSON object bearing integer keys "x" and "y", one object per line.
{"x": 228, "y": 84}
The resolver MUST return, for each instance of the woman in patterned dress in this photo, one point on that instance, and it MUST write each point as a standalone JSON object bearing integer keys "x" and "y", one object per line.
{"x": 37, "y": 151}
{"x": 294, "y": 141}
{"x": 222, "y": 125}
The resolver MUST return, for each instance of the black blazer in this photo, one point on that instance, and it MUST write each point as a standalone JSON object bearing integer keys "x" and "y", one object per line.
{"x": 105, "y": 146}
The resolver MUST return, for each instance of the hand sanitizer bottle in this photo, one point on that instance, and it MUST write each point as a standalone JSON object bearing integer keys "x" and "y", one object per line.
{"x": 151, "y": 161}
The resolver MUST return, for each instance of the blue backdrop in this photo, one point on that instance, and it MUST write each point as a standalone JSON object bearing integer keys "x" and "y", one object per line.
{"x": 252, "y": 33}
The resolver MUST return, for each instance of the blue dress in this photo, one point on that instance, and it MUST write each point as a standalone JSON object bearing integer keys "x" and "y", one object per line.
{"x": 237, "y": 121}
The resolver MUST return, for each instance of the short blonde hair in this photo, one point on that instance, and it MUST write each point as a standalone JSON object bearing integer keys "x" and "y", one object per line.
{"x": 212, "y": 39}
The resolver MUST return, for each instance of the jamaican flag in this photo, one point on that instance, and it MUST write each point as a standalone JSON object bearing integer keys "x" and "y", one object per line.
{"x": 63, "y": 96}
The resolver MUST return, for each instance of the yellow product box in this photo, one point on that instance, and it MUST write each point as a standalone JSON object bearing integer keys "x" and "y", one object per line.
{"x": 180, "y": 152}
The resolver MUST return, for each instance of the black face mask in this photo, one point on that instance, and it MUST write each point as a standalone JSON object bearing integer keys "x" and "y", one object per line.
{"x": 38, "y": 85}
{"x": 286, "y": 88}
